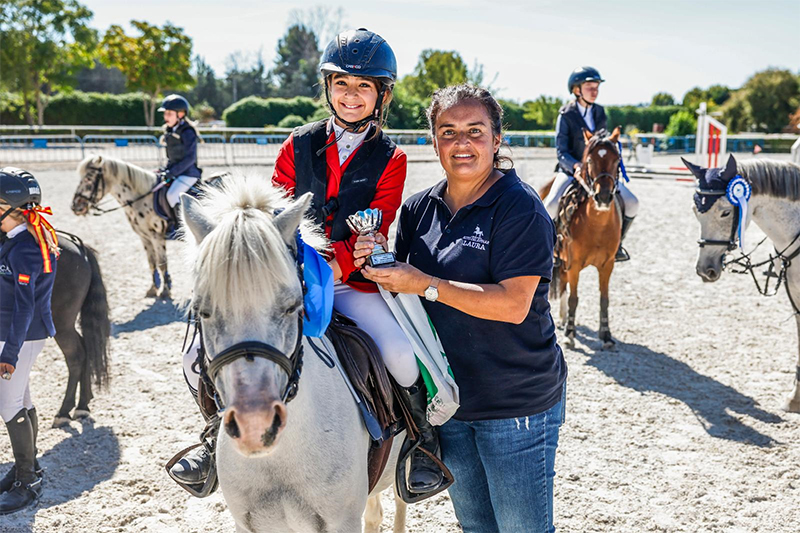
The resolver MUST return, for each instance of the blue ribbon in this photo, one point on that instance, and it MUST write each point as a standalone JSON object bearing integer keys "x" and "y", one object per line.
{"x": 318, "y": 282}
{"x": 738, "y": 193}
{"x": 621, "y": 164}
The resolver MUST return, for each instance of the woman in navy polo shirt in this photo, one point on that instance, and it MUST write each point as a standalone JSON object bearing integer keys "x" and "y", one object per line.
{"x": 479, "y": 248}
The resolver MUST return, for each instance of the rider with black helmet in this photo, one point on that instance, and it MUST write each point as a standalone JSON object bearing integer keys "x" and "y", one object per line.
{"x": 349, "y": 164}
{"x": 577, "y": 115}
{"x": 180, "y": 137}
{"x": 27, "y": 271}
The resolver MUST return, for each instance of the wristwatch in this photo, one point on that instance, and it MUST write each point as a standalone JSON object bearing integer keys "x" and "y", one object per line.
{"x": 432, "y": 292}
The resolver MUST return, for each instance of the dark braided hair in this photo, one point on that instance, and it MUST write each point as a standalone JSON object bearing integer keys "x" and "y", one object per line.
{"x": 448, "y": 97}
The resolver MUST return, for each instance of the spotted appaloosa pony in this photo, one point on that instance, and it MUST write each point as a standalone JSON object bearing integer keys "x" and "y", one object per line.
{"x": 592, "y": 235}
{"x": 774, "y": 207}
{"x": 101, "y": 175}
{"x": 283, "y": 466}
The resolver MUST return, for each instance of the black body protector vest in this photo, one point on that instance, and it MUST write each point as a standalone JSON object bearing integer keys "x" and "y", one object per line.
{"x": 175, "y": 150}
{"x": 359, "y": 180}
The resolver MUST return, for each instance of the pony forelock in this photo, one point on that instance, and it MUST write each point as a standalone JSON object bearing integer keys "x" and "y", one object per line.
{"x": 243, "y": 264}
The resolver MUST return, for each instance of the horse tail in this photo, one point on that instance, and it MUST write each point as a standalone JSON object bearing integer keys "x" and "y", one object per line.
{"x": 555, "y": 290}
{"x": 96, "y": 324}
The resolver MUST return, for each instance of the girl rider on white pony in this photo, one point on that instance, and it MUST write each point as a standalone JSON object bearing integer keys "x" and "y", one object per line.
{"x": 350, "y": 165}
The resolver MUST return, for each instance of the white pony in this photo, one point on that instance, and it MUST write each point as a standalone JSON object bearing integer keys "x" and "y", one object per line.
{"x": 284, "y": 467}
{"x": 774, "y": 207}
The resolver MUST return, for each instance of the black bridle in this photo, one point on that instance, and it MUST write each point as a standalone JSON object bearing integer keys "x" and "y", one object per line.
{"x": 731, "y": 243}
{"x": 99, "y": 191}
{"x": 211, "y": 365}
{"x": 590, "y": 179}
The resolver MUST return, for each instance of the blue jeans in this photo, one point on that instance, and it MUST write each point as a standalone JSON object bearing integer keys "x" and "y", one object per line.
{"x": 504, "y": 471}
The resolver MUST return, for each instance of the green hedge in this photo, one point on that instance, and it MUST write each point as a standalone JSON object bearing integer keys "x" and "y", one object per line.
{"x": 79, "y": 108}
{"x": 642, "y": 118}
{"x": 255, "y": 112}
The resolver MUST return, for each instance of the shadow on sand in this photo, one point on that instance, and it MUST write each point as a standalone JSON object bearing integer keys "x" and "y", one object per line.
{"x": 72, "y": 467}
{"x": 642, "y": 369}
{"x": 160, "y": 313}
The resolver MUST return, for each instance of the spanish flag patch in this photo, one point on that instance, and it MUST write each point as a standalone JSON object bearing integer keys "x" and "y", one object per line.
{"x": 23, "y": 279}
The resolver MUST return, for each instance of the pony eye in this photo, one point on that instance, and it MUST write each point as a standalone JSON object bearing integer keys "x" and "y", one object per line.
{"x": 726, "y": 214}
{"x": 294, "y": 308}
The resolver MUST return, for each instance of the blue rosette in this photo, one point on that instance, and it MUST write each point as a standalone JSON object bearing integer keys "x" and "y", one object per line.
{"x": 738, "y": 194}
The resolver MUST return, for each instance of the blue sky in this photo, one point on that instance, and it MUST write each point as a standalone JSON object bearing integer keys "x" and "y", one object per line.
{"x": 640, "y": 47}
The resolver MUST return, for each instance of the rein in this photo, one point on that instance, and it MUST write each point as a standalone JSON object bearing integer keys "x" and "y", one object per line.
{"x": 95, "y": 197}
{"x": 292, "y": 364}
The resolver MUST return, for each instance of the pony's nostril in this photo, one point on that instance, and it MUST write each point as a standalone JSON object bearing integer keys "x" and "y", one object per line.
{"x": 711, "y": 273}
{"x": 231, "y": 427}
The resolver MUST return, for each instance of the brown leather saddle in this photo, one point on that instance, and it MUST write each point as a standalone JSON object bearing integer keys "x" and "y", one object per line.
{"x": 361, "y": 360}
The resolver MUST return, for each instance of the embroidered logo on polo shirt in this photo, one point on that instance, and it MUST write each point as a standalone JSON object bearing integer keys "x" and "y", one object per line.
{"x": 475, "y": 240}
{"x": 23, "y": 279}
{"x": 5, "y": 270}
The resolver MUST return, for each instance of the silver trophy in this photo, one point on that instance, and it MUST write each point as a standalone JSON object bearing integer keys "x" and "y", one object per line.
{"x": 367, "y": 223}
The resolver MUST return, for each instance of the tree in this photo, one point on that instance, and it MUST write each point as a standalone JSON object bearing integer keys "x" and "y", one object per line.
{"x": 681, "y": 123}
{"x": 208, "y": 88}
{"x": 773, "y": 95}
{"x": 100, "y": 79}
{"x": 246, "y": 75}
{"x": 155, "y": 60}
{"x": 736, "y": 112}
{"x": 324, "y": 21}
{"x": 662, "y": 99}
{"x": 297, "y": 61}
{"x": 44, "y": 44}
{"x": 543, "y": 111}
{"x": 719, "y": 94}
{"x": 435, "y": 69}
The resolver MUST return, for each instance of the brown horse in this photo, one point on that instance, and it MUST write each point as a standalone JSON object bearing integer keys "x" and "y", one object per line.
{"x": 588, "y": 229}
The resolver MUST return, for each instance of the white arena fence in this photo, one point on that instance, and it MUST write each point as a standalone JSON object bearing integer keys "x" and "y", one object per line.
{"x": 248, "y": 146}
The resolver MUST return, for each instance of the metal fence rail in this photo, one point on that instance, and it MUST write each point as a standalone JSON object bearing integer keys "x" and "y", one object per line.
{"x": 127, "y": 147}
{"x": 212, "y": 150}
{"x": 40, "y": 148}
{"x": 255, "y": 148}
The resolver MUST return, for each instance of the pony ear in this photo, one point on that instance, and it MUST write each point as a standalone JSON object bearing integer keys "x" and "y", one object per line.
{"x": 194, "y": 218}
{"x": 614, "y": 135}
{"x": 587, "y": 134}
{"x": 730, "y": 169}
{"x": 98, "y": 160}
{"x": 699, "y": 172}
{"x": 290, "y": 218}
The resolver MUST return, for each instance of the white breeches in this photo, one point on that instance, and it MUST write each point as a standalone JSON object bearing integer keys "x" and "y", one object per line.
{"x": 15, "y": 394}
{"x": 178, "y": 187}
{"x": 370, "y": 312}
{"x": 562, "y": 181}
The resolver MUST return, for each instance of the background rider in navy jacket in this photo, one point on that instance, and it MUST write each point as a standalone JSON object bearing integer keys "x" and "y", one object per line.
{"x": 27, "y": 270}
{"x": 577, "y": 115}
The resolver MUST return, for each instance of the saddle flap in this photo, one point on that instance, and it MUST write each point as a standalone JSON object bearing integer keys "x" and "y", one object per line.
{"x": 361, "y": 360}
{"x": 160, "y": 204}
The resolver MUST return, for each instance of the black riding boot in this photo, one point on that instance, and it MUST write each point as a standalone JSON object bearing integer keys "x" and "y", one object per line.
{"x": 196, "y": 465}
{"x": 8, "y": 480}
{"x": 27, "y": 486}
{"x": 622, "y": 254}
{"x": 424, "y": 475}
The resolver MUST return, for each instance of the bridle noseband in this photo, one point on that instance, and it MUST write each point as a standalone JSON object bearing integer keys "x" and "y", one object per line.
{"x": 211, "y": 366}
{"x": 98, "y": 185}
{"x": 730, "y": 244}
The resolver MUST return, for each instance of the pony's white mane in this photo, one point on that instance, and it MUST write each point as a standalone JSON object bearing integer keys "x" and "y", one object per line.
{"x": 137, "y": 177}
{"x": 779, "y": 179}
{"x": 244, "y": 263}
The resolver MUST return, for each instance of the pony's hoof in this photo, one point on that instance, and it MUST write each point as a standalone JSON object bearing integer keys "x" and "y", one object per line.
{"x": 793, "y": 406}
{"x": 569, "y": 342}
{"x": 165, "y": 296}
{"x": 609, "y": 345}
{"x": 61, "y": 421}
{"x": 80, "y": 414}
{"x": 152, "y": 293}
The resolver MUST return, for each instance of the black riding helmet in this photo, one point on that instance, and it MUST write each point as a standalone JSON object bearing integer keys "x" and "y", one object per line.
{"x": 18, "y": 188}
{"x": 583, "y": 74}
{"x": 175, "y": 102}
{"x": 360, "y": 53}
